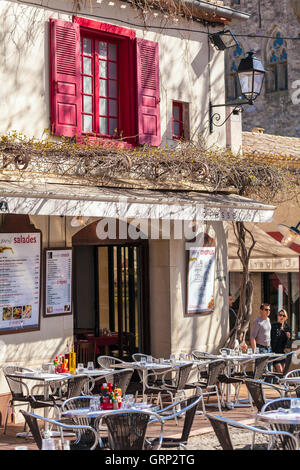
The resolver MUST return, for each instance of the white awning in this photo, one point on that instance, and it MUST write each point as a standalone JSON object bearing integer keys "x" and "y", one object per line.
{"x": 76, "y": 200}
{"x": 268, "y": 254}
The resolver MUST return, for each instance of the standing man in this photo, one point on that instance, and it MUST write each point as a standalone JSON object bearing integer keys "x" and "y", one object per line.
{"x": 261, "y": 330}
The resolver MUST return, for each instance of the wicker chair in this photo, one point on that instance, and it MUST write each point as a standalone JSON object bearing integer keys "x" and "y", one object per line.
{"x": 120, "y": 379}
{"x": 106, "y": 362}
{"x": 74, "y": 387}
{"x": 276, "y": 376}
{"x": 209, "y": 384}
{"x": 80, "y": 430}
{"x": 187, "y": 408}
{"x": 127, "y": 429}
{"x": 164, "y": 387}
{"x": 18, "y": 388}
{"x": 256, "y": 391}
{"x": 221, "y": 427}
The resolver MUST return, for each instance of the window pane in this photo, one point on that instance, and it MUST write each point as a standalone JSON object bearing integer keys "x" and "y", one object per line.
{"x": 102, "y": 106}
{"x": 112, "y": 51}
{"x": 103, "y": 49}
{"x": 102, "y": 88}
{"x": 87, "y": 104}
{"x": 112, "y": 89}
{"x": 87, "y": 66}
{"x": 87, "y": 123}
{"x": 102, "y": 68}
{"x": 112, "y": 70}
{"x": 87, "y": 46}
{"x": 113, "y": 108}
{"x": 176, "y": 113}
{"x": 177, "y": 129}
{"x": 113, "y": 126}
{"x": 103, "y": 125}
{"x": 87, "y": 85}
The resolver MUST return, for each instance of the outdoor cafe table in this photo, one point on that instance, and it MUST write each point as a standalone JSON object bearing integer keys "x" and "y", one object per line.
{"x": 46, "y": 380}
{"x": 146, "y": 367}
{"x": 280, "y": 416}
{"x": 238, "y": 361}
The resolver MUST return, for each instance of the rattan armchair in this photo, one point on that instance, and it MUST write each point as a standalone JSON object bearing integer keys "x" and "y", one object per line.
{"x": 18, "y": 388}
{"x": 209, "y": 385}
{"x": 127, "y": 429}
{"x": 80, "y": 431}
{"x": 221, "y": 427}
{"x": 107, "y": 362}
{"x": 119, "y": 378}
{"x": 184, "y": 408}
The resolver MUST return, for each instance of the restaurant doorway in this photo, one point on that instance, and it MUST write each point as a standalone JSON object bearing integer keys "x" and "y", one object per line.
{"x": 111, "y": 296}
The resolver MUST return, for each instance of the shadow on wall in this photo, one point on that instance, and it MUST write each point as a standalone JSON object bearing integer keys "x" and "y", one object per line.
{"x": 23, "y": 97}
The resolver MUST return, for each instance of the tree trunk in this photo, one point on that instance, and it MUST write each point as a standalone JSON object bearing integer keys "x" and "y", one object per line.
{"x": 246, "y": 289}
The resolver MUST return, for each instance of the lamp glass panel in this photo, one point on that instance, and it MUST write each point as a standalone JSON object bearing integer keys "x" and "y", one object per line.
{"x": 258, "y": 81}
{"x": 246, "y": 82}
{"x": 228, "y": 39}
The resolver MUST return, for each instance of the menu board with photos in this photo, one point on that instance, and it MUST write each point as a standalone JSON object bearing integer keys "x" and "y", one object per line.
{"x": 20, "y": 264}
{"x": 58, "y": 280}
{"x": 200, "y": 282}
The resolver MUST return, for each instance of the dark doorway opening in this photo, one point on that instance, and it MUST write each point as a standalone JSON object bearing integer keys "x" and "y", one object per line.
{"x": 111, "y": 296}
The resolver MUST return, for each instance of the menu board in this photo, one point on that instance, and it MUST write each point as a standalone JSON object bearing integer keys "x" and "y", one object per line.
{"x": 20, "y": 264}
{"x": 58, "y": 292}
{"x": 201, "y": 277}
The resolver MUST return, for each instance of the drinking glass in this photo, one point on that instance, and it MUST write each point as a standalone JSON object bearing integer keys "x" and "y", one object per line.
{"x": 143, "y": 360}
{"x": 232, "y": 352}
{"x": 149, "y": 359}
{"x": 128, "y": 401}
{"x": 172, "y": 359}
{"x": 256, "y": 351}
{"x": 94, "y": 404}
{"x": 48, "y": 444}
{"x": 90, "y": 365}
{"x": 66, "y": 445}
{"x": 295, "y": 405}
{"x": 249, "y": 351}
{"x": 182, "y": 356}
{"x": 224, "y": 352}
{"x": 80, "y": 368}
{"x": 161, "y": 360}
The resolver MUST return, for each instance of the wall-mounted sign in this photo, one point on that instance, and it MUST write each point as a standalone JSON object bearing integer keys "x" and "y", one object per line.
{"x": 20, "y": 263}
{"x": 200, "y": 280}
{"x": 58, "y": 282}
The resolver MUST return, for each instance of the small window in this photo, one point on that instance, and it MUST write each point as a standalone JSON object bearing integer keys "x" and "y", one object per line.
{"x": 177, "y": 120}
{"x": 277, "y": 65}
{"x": 180, "y": 121}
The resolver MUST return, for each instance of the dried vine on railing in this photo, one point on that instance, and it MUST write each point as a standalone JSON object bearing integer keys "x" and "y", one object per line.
{"x": 101, "y": 163}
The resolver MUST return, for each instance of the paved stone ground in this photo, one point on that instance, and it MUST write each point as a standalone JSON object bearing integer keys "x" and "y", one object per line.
{"x": 240, "y": 439}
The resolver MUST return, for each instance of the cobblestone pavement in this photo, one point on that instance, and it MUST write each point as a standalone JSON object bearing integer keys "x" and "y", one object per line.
{"x": 240, "y": 439}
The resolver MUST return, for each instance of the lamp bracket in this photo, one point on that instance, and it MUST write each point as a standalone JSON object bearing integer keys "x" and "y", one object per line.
{"x": 214, "y": 118}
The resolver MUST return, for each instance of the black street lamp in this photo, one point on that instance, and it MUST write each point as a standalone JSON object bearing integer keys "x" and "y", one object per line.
{"x": 251, "y": 76}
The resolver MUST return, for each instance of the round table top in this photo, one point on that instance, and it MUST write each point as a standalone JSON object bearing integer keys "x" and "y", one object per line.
{"x": 280, "y": 416}
{"x": 291, "y": 380}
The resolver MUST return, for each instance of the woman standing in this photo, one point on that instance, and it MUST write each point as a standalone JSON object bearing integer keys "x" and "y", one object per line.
{"x": 280, "y": 336}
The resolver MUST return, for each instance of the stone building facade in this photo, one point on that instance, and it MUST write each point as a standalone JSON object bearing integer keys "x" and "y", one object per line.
{"x": 277, "y": 109}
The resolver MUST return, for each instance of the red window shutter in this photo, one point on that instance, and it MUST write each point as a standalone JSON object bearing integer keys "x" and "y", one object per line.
{"x": 148, "y": 96}
{"x": 65, "y": 78}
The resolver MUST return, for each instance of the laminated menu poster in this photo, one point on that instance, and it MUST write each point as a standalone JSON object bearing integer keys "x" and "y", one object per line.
{"x": 58, "y": 295}
{"x": 200, "y": 280}
{"x": 20, "y": 264}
